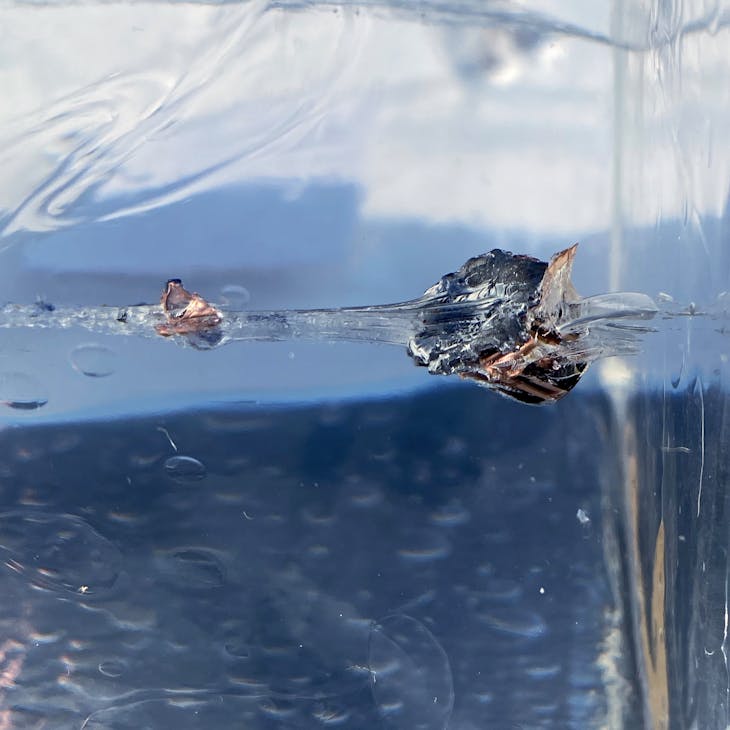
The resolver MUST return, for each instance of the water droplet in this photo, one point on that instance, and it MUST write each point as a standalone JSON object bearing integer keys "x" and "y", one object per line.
{"x": 96, "y": 361}
{"x": 192, "y": 569}
{"x": 450, "y": 515}
{"x": 424, "y": 546}
{"x": 112, "y": 668}
{"x": 185, "y": 469}
{"x": 364, "y": 495}
{"x": 235, "y": 296}
{"x": 237, "y": 649}
{"x": 677, "y": 372}
{"x": 502, "y": 589}
{"x": 330, "y": 715}
{"x": 543, "y": 671}
{"x": 278, "y": 710}
{"x": 411, "y": 678}
{"x": 514, "y": 622}
{"x": 21, "y": 391}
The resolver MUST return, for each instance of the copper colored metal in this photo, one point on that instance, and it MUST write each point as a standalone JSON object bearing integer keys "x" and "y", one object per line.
{"x": 187, "y": 313}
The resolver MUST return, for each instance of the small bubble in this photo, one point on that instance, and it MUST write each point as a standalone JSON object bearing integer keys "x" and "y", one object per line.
{"x": 185, "y": 469}
{"x": 96, "y": 361}
{"x": 21, "y": 391}
{"x": 424, "y": 546}
{"x": 237, "y": 649}
{"x": 543, "y": 671}
{"x": 502, "y": 590}
{"x": 410, "y": 675}
{"x": 235, "y": 296}
{"x": 59, "y": 553}
{"x": 112, "y": 669}
{"x": 450, "y": 515}
{"x": 277, "y": 710}
{"x": 512, "y": 622}
{"x": 192, "y": 569}
{"x": 331, "y": 716}
{"x": 583, "y": 517}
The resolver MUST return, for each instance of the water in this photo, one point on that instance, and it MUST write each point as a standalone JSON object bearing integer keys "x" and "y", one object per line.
{"x": 289, "y": 581}
{"x": 307, "y": 534}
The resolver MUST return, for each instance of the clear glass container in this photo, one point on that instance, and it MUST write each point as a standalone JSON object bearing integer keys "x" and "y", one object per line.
{"x": 306, "y": 534}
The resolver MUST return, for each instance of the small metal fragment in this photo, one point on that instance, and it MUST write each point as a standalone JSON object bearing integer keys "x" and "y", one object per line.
{"x": 188, "y": 314}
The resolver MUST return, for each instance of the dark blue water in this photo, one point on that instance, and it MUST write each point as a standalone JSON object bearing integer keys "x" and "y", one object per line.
{"x": 339, "y": 565}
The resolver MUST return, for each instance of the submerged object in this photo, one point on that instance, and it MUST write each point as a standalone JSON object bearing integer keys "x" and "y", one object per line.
{"x": 509, "y": 322}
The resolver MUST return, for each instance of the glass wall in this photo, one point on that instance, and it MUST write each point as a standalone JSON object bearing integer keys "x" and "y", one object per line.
{"x": 266, "y": 532}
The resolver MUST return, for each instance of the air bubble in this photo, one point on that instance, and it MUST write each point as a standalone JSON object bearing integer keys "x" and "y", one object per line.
{"x": 191, "y": 569}
{"x": 514, "y": 622}
{"x": 185, "y": 469}
{"x": 21, "y": 391}
{"x": 59, "y": 553}
{"x": 235, "y": 296}
{"x": 411, "y": 678}
{"x": 112, "y": 668}
{"x": 96, "y": 361}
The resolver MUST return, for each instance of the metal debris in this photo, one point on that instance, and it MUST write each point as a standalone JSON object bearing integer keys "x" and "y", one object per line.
{"x": 509, "y": 322}
{"x": 188, "y": 314}
{"x": 513, "y": 342}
